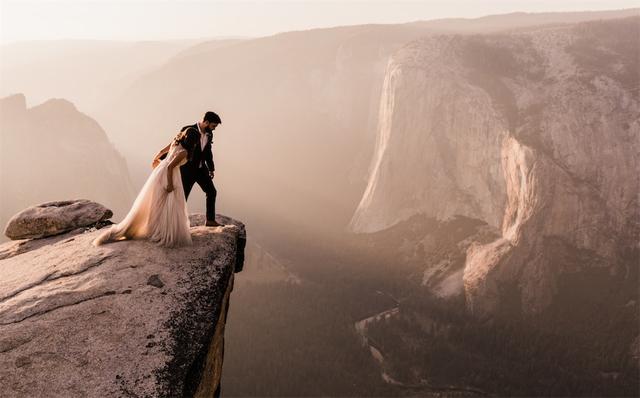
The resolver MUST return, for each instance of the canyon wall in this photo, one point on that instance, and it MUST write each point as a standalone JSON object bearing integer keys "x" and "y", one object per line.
{"x": 534, "y": 132}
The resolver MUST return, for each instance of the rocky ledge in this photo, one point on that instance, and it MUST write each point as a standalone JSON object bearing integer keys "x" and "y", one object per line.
{"x": 124, "y": 319}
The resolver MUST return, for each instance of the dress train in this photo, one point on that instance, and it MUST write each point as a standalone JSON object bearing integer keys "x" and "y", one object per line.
{"x": 157, "y": 215}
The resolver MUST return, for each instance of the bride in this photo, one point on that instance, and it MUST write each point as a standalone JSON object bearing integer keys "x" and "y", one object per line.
{"x": 159, "y": 212}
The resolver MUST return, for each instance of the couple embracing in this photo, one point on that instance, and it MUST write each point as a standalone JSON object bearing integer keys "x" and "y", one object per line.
{"x": 159, "y": 212}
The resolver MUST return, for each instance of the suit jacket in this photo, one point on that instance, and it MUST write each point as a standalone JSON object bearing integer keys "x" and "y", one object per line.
{"x": 205, "y": 154}
{"x": 199, "y": 154}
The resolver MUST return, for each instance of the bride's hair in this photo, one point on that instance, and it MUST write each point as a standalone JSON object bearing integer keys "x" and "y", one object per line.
{"x": 188, "y": 138}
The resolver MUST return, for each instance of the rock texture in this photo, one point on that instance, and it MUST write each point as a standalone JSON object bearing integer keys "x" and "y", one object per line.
{"x": 535, "y": 132}
{"x": 54, "y": 218}
{"x": 125, "y": 319}
{"x": 438, "y": 150}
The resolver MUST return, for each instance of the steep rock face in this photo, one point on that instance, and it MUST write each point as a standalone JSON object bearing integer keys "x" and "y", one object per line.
{"x": 438, "y": 149}
{"x": 124, "y": 319}
{"x": 536, "y": 132}
{"x": 51, "y": 152}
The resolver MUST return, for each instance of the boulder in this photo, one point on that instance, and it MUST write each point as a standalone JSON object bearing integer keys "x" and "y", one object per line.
{"x": 53, "y": 218}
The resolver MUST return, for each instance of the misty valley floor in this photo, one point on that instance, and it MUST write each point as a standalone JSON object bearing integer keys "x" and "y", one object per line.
{"x": 284, "y": 339}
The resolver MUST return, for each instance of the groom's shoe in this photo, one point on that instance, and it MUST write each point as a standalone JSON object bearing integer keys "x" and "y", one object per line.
{"x": 212, "y": 224}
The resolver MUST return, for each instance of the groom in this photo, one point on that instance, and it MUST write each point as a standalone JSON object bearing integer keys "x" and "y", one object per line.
{"x": 200, "y": 168}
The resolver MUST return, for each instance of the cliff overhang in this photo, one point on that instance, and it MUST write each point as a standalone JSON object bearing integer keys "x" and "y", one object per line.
{"x": 124, "y": 319}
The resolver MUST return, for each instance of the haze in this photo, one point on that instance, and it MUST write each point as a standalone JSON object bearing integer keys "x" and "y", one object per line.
{"x": 405, "y": 171}
{"x": 171, "y": 20}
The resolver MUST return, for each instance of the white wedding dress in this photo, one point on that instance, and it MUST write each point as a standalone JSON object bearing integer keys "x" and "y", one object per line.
{"x": 157, "y": 215}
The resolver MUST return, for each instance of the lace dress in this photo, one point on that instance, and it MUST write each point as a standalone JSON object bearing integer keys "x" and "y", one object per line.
{"x": 156, "y": 215}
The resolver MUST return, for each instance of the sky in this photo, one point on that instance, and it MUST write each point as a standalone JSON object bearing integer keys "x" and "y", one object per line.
{"x": 182, "y": 19}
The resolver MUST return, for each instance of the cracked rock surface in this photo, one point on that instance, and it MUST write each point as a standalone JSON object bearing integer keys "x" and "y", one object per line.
{"x": 79, "y": 320}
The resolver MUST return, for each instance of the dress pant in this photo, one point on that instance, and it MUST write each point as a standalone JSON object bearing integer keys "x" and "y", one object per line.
{"x": 190, "y": 176}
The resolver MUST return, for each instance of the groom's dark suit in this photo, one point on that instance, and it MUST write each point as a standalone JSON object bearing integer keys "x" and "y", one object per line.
{"x": 197, "y": 169}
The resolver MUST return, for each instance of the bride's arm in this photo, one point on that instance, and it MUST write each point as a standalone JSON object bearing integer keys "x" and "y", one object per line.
{"x": 176, "y": 160}
{"x": 156, "y": 159}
